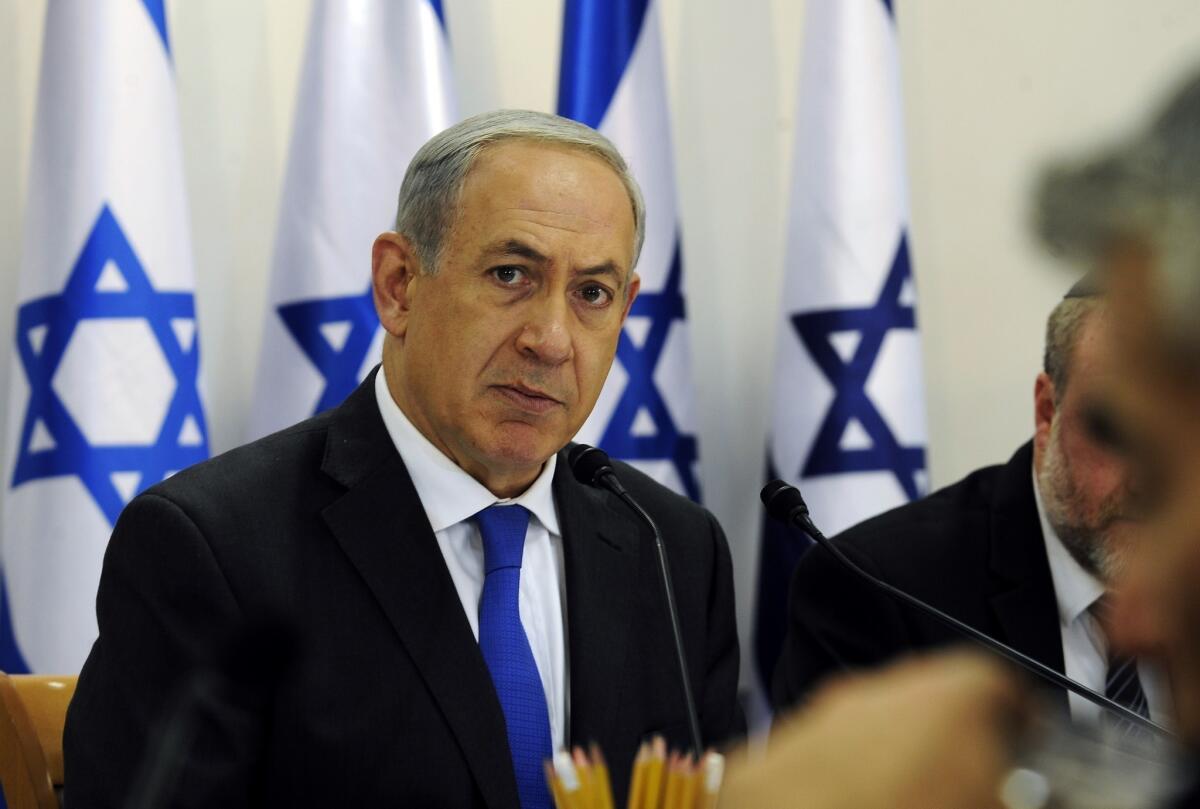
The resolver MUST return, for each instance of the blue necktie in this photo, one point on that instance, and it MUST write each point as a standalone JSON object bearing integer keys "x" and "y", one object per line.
{"x": 507, "y": 653}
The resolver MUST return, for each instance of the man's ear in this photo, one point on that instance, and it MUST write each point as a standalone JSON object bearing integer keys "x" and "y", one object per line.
{"x": 395, "y": 269}
{"x": 1044, "y": 409}
{"x": 631, "y": 292}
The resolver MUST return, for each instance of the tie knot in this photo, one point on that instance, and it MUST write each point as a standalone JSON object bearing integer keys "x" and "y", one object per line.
{"x": 503, "y": 531}
{"x": 1102, "y": 611}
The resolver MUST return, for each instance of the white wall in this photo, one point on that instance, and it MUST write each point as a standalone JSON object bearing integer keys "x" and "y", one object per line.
{"x": 992, "y": 89}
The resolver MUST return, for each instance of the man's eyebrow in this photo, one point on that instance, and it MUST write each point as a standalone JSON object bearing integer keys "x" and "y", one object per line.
{"x": 513, "y": 247}
{"x": 607, "y": 268}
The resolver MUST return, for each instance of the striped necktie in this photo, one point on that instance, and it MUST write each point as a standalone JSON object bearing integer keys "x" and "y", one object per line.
{"x": 1121, "y": 684}
{"x": 506, "y": 650}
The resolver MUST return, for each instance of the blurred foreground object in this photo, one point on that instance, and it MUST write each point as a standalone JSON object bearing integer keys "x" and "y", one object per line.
{"x": 928, "y": 733}
{"x": 1134, "y": 213}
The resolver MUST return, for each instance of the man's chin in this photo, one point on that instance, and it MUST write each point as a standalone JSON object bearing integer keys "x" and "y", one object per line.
{"x": 517, "y": 445}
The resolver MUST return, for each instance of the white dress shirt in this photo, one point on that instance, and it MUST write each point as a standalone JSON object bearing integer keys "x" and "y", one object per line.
{"x": 451, "y": 498}
{"x": 1085, "y": 648}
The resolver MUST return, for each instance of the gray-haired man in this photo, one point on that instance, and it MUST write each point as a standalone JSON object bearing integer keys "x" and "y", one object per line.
{"x": 461, "y": 605}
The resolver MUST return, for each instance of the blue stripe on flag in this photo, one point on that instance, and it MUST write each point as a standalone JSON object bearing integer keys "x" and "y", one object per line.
{"x": 11, "y": 659}
{"x": 158, "y": 13}
{"x": 598, "y": 39}
{"x": 437, "y": 9}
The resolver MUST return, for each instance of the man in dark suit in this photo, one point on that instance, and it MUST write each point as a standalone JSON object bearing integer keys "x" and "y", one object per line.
{"x": 1023, "y": 552}
{"x": 459, "y": 604}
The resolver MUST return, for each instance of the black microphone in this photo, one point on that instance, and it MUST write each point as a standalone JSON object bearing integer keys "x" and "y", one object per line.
{"x": 592, "y": 467}
{"x": 785, "y": 503}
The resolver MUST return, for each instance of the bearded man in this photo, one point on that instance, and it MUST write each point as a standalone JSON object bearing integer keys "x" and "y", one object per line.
{"x": 1024, "y": 552}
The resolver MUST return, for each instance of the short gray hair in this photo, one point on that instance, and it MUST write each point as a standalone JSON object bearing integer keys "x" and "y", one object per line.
{"x": 1147, "y": 190}
{"x": 1062, "y": 333}
{"x": 433, "y": 184}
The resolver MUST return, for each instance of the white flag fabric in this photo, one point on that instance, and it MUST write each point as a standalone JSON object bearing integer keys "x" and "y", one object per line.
{"x": 376, "y": 84}
{"x": 848, "y": 423}
{"x": 612, "y": 79}
{"x": 104, "y": 398}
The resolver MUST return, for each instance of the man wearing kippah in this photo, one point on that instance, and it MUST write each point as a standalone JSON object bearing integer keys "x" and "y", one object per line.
{"x": 1024, "y": 552}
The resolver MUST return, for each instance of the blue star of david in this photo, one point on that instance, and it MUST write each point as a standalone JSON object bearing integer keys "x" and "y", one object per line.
{"x": 338, "y": 365}
{"x": 662, "y": 308}
{"x": 849, "y": 380}
{"x": 63, "y": 449}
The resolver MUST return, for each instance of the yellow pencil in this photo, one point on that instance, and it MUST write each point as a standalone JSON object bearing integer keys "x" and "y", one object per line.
{"x": 713, "y": 773}
{"x": 674, "y": 782}
{"x": 637, "y": 782}
{"x": 652, "y": 794}
{"x": 691, "y": 784}
{"x": 587, "y": 779}
{"x": 604, "y": 796}
{"x": 555, "y": 786}
{"x": 564, "y": 768}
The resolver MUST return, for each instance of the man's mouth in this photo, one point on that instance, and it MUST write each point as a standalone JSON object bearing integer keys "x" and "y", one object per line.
{"x": 526, "y": 398}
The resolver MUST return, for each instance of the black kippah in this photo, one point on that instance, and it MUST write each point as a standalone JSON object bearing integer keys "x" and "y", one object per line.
{"x": 1089, "y": 286}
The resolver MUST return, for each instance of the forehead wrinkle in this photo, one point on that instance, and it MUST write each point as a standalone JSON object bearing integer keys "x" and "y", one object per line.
{"x": 555, "y": 215}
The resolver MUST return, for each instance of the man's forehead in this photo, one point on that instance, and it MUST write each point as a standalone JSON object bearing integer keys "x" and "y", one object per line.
{"x": 528, "y": 160}
{"x": 522, "y": 194}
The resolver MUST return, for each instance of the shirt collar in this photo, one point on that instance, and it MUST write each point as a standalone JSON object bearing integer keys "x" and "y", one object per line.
{"x": 448, "y": 494}
{"x": 1074, "y": 587}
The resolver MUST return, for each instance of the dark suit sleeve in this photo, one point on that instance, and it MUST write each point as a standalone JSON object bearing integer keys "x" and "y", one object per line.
{"x": 721, "y": 716}
{"x": 163, "y": 605}
{"x": 836, "y": 622}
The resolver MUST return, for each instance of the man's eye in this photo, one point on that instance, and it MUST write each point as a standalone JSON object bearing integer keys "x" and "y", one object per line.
{"x": 595, "y": 295}
{"x": 509, "y": 276}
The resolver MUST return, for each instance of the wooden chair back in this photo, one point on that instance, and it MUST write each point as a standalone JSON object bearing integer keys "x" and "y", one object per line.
{"x": 33, "y": 710}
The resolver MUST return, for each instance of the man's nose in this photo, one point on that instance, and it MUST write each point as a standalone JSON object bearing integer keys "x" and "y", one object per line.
{"x": 546, "y": 335}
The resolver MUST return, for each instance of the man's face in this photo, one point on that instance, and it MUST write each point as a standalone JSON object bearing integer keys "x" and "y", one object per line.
{"x": 499, "y": 356}
{"x": 1155, "y": 409}
{"x": 1084, "y": 485}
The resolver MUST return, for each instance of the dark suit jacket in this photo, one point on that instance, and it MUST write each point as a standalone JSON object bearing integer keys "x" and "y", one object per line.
{"x": 973, "y": 550}
{"x": 389, "y": 702}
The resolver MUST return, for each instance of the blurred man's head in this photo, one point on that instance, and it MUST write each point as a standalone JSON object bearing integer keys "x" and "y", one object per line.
{"x": 1083, "y": 484}
{"x": 1134, "y": 213}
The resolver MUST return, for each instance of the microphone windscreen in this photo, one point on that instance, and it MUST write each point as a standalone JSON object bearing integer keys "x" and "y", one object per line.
{"x": 588, "y": 463}
{"x": 782, "y": 500}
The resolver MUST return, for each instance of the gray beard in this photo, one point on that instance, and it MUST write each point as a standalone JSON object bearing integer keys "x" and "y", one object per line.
{"x": 1087, "y": 543}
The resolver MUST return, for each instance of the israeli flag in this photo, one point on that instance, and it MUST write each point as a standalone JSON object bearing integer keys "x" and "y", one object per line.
{"x": 612, "y": 79}
{"x": 848, "y": 424}
{"x": 375, "y": 86}
{"x": 104, "y": 399}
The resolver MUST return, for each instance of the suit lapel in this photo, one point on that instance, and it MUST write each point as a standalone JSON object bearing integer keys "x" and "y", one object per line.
{"x": 601, "y": 546}
{"x": 382, "y": 528}
{"x": 1024, "y": 602}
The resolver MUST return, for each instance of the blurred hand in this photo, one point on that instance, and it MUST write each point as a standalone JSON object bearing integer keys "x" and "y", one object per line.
{"x": 929, "y": 733}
